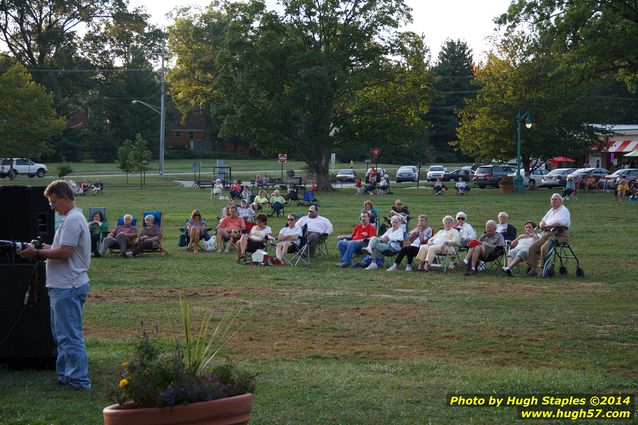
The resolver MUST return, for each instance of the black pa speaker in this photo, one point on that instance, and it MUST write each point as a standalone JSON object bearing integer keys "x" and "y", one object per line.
{"x": 25, "y": 322}
{"x": 25, "y": 214}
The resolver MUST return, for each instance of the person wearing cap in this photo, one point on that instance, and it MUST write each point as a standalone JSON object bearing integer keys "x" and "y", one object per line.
{"x": 246, "y": 211}
{"x": 465, "y": 229}
{"x": 558, "y": 219}
{"x": 318, "y": 227}
{"x": 351, "y": 244}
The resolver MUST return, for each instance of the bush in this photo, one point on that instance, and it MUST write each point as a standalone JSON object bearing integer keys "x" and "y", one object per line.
{"x": 64, "y": 170}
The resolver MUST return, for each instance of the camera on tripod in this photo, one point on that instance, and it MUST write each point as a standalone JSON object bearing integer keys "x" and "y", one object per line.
{"x": 11, "y": 247}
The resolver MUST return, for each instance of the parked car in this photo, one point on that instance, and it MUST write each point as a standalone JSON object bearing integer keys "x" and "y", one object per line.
{"x": 464, "y": 173}
{"x": 380, "y": 172}
{"x": 535, "y": 177}
{"x": 556, "y": 178}
{"x": 21, "y": 166}
{"x": 435, "y": 172}
{"x": 346, "y": 175}
{"x": 490, "y": 175}
{"x": 407, "y": 173}
{"x": 629, "y": 173}
{"x": 581, "y": 173}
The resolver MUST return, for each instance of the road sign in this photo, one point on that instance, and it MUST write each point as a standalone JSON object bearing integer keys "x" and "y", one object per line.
{"x": 375, "y": 152}
{"x": 283, "y": 158}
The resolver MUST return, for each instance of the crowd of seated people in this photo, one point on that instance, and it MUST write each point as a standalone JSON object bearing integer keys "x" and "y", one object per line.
{"x": 85, "y": 187}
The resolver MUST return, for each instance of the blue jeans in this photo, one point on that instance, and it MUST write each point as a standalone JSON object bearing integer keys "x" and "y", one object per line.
{"x": 72, "y": 365}
{"x": 348, "y": 248}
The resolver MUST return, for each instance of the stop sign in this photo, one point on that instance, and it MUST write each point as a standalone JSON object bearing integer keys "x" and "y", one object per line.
{"x": 283, "y": 158}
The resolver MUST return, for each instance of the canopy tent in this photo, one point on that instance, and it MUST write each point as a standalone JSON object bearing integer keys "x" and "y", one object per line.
{"x": 561, "y": 159}
{"x": 632, "y": 154}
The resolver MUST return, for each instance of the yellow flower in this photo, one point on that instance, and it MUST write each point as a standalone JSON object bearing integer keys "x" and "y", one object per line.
{"x": 123, "y": 382}
{"x": 124, "y": 364}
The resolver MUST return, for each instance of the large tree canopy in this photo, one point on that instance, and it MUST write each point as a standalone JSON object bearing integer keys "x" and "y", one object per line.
{"x": 315, "y": 76}
{"x": 27, "y": 118}
{"x": 596, "y": 36}
{"x": 512, "y": 81}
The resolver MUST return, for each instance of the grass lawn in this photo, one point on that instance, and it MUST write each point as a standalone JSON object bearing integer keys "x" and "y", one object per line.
{"x": 350, "y": 346}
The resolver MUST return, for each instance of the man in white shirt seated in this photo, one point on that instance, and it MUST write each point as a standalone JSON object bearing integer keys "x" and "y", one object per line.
{"x": 318, "y": 226}
{"x": 558, "y": 217}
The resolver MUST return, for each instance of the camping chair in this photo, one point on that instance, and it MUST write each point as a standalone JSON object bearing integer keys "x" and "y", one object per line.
{"x": 493, "y": 262}
{"x": 302, "y": 252}
{"x": 564, "y": 252}
{"x": 308, "y": 199}
{"x": 447, "y": 260}
{"x": 159, "y": 215}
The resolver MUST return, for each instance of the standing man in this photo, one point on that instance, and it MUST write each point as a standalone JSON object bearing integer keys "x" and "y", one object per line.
{"x": 318, "y": 227}
{"x": 558, "y": 217}
{"x": 67, "y": 264}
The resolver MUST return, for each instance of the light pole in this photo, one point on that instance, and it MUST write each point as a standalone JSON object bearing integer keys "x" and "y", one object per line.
{"x": 520, "y": 118}
{"x": 161, "y": 112}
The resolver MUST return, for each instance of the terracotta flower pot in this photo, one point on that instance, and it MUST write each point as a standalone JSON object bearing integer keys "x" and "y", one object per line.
{"x": 227, "y": 411}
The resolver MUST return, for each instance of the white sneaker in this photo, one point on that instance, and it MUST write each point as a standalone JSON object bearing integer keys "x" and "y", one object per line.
{"x": 505, "y": 268}
{"x": 408, "y": 268}
{"x": 226, "y": 251}
{"x": 372, "y": 266}
{"x": 366, "y": 249}
{"x": 392, "y": 268}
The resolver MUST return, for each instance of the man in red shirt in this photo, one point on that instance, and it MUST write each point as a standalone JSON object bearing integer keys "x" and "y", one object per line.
{"x": 229, "y": 228}
{"x": 350, "y": 244}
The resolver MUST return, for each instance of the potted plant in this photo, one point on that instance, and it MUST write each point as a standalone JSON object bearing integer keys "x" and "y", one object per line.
{"x": 183, "y": 383}
{"x": 506, "y": 184}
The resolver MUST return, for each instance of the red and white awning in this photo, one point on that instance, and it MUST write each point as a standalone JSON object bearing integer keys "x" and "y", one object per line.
{"x": 622, "y": 145}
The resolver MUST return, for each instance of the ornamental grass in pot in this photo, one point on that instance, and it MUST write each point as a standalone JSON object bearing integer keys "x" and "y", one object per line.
{"x": 183, "y": 382}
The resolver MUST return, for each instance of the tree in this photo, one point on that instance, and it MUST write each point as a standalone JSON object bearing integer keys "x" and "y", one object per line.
{"x": 139, "y": 156}
{"x": 124, "y": 157}
{"x": 28, "y": 121}
{"x": 453, "y": 85}
{"x": 303, "y": 81}
{"x": 518, "y": 81}
{"x": 592, "y": 35}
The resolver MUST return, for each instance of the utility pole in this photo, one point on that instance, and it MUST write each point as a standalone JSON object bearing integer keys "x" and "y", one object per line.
{"x": 162, "y": 107}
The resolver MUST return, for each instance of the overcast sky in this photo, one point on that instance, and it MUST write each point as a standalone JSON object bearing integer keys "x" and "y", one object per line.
{"x": 467, "y": 20}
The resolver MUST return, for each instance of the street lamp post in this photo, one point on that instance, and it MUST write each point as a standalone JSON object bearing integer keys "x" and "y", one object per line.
{"x": 520, "y": 118}
{"x": 161, "y": 112}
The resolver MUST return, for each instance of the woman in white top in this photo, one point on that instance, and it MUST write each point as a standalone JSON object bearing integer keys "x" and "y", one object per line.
{"x": 419, "y": 236}
{"x": 392, "y": 241}
{"x": 520, "y": 247}
{"x": 445, "y": 241}
{"x": 256, "y": 239}
{"x": 288, "y": 237}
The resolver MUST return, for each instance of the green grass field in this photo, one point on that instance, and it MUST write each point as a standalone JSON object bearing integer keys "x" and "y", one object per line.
{"x": 335, "y": 346}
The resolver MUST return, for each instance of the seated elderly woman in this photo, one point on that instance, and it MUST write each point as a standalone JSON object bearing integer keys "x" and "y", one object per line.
{"x": 446, "y": 241}
{"x": 488, "y": 247}
{"x": 369, "y": 208}
{"x": 149, "y": 238}
{"x": 465, "y": 229}
{"x": 520, "y": 247}
{"x": 218, "y": 188}
{"x": 504, "y": 228}
{"x": 391, "y": 242}
{"x": 417, "y": 237}
{"x": 97, "y": 228}
{"x": 277, "y": 202}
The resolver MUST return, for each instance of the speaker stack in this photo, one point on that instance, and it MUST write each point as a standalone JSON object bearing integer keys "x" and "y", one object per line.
{"x": 25, "y": 324}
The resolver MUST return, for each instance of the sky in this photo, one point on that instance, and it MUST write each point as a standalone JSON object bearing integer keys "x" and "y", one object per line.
{"x": 468, "y": 20}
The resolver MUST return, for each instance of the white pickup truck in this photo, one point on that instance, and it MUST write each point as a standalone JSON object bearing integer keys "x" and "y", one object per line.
{"x": 21, "y": 166}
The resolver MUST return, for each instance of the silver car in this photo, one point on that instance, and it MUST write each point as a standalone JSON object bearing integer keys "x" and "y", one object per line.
{"x": 407, "y": 173}
{"x": 556, "y": 177}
